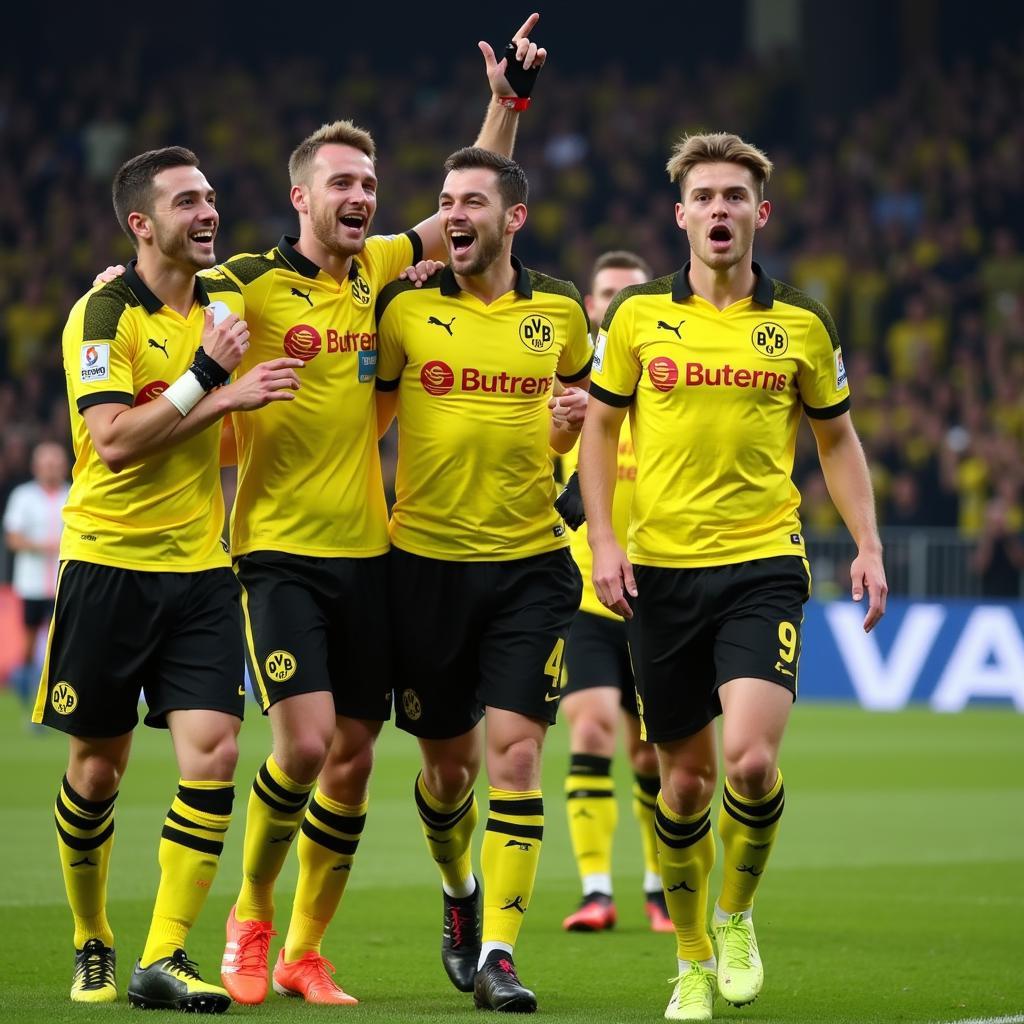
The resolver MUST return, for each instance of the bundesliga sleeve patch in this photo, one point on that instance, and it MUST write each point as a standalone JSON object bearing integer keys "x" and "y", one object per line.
{"x": 599, "y": 347}
{"x": 95, "y": 362}
{"x": 840, "y": 370}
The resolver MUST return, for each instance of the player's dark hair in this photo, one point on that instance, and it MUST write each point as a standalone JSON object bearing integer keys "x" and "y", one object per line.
{"x": 512, "y": 183}
{"x": 620, "y": 259}
{"x": 133, "y": 183}
{"x": 338, "y": 133}
{"x": 718, "y": 148}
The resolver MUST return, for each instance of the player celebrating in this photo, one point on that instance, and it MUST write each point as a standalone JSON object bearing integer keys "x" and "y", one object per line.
{"x": 481, "y": 580}
{"x": 600, "y": 681}
{"x": 714, "y": 364}
{"x": 146, "y": 598}
{"x": 309, "y": 529}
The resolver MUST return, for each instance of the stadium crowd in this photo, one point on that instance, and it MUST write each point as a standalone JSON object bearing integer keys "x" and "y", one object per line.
{"x": 907, "y": 222}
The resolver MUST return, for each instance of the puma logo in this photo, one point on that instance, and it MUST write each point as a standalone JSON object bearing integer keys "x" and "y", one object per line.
{"x": 440, "y": 323}
{"x": 156, "y": 344}
{"x": 286, "y": 838}
{"x": 520, "y": 846}
{"x": 681, "y": 885}
{"x": 583, "y": 813}
{"x": 750, "y": 870}
{"x": 434, "y": 839}
{"x": 342, "y": 867}
{"x": 516, "y": 904}
{"x": 84, "y": 861}
{"x": 303, "y": 295}
{"x": 668, "y": 327}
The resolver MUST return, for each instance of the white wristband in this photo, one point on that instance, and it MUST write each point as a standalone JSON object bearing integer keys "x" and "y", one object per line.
{"x": 185, "y": 393}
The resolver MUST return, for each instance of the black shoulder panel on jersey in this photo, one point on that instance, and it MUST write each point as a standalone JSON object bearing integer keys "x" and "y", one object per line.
{"x": 553, "y": 285}
{"x": 388, "y": 292}
{"x": 659, "y": 286}
{"x": 794, "y": 297}
{"x": 247, "y": 268}
{"x": 216, "y": 281}
{"x": 103, "y": 310}
{"x": 417, "y": 245}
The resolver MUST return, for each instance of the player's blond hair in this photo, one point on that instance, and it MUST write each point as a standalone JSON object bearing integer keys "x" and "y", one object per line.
{"x": 340, "y": 133}
{"x": 717, "y": 148}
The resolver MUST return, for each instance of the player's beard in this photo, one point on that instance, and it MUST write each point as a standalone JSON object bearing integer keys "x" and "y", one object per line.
{"x": 324, "y": 222}
{"x": 177, "y": 247}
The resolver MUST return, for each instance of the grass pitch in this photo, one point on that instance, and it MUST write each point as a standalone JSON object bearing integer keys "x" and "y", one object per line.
{"x": 896, "y": 891}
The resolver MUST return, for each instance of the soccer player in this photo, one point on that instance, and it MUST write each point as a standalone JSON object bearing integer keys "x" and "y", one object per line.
{"x": 145, "y": 597}
{"x": 715, "y": 364}
{"x": 32, "y": 529}
{"x": 600, "y": 682}
{"x": 482, "y": 584}
{"x": 310, "y": 535}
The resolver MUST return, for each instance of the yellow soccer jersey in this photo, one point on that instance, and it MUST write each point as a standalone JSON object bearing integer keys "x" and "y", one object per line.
{"x": 579, "y": 545}
{"x": 123, "y": 346}
{"x": 309, "y": 478}
{"x": 715, "y": 400}
{"x": 474, "y": 471}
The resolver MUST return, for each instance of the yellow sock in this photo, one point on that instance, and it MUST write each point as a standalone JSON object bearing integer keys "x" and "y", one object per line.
{"x": 448, "y": 830}
{"x": 276, "y": 806}
{"x": 509, "y": 858}
{"x": 748, "y": 829}
{"x": 686, "y": 855}
{"x": 328, "y": 840}
{"x": 593, "y": 814}
{"x": 190, "y": 849}
{"x": 645, "y": 799}
{"x": 85, "y": 838}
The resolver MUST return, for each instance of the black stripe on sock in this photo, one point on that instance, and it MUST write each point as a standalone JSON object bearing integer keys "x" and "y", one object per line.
{"x": 649, "y": 784}
{"x": 76, "y": 820}
{"x": 209, "y": 801}
{"x": 677, "y": 843}
{"x": 589, "y": 764}
{"x": 346, "y": 847}
{"x": 650, "y": 802}
{"x": 353, "y": 826}
{"x": 765, "y": 810}
{"x": 595, "y": 794}
{"x": 89, "y": 843}
{"x": 97, "y": 807}
{"x": 438, "y": 820}
{"x": 508, "y": 828}
{"x": 192, "y": 842}
{"x": 295, "y": 807}
{"x": 179, "y": 819}
{"x": 524, "y": 808}
{"x": 745, "y": 819}
{"x": 291, "y": 801}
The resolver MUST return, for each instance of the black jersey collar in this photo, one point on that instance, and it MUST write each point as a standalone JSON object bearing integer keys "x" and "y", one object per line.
{"x": 449, "y": 286}
{"x": 302, "y": 265}
{"x": 764, "y": 289}
{"x": 150, "y": 303}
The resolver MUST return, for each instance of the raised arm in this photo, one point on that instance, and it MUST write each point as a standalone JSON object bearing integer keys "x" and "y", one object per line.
{"x": 849, "y": 484}
{"x": 510, "y": 91}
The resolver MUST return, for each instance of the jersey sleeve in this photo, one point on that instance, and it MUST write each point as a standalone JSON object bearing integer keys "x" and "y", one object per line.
{"x": 821, "y": 379}
{"x": 99, "y": 351}
{"x": 617, "y": 368}
{"x": 391, "y": 357}
{"x": 386, "y": 256}
{"x": 577, "y": 352}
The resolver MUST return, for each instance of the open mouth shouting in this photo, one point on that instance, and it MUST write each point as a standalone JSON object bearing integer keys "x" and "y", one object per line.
{"x": 354, "y": 223}
{"x": 460, "y": 241}
{"x": 720, "y": 237}
{"x": 203, "y": 239}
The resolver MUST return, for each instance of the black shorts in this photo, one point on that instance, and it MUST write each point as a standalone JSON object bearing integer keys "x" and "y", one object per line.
{"x": 36, "y": 611}
{"x": 597, "y": 654}
{"x": 479, "y": 634}
{"x": 173, "y": 636}
{"x": 317, "y": 625}
{"x": 694, "y": 629}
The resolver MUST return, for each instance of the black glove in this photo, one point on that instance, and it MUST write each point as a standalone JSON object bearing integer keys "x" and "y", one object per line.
{"x": 518, "y": 77}
{"x": 569, "y": 504}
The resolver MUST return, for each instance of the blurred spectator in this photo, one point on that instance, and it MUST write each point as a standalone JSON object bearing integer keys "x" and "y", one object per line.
{"x": 999, "y": 557}
{"x": 32, "y": 529}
